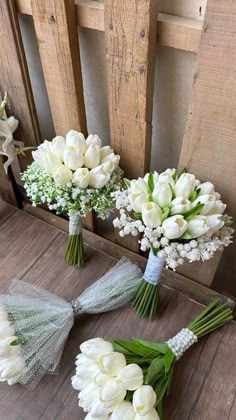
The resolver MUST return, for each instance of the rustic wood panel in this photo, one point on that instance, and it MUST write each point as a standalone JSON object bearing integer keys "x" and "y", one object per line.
{"x": 7, "y": 186}
{"x": 6, "y": 211}
{"x": 173, "y": 31}
{"x": 56, "y": 30}
{"x": 130, "y": 33}
{"x": 204, "y": 380}
{"x": 209, "y": 143}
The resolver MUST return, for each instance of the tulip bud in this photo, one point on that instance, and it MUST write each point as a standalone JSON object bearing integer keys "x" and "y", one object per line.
{"x": 79, "y": 384}
{"x": 111, "y": 394}
{"x": 105, "y": 151}
{"x": 138, "y": 200}
{"x": 198, "y": 226}
{"x": 112, "y": 363}
{"x": 101, "y": 379}
{"x": 73, "y": 158}
{"x": 206, "y": 188}
{"x": 180, "y": 205}
{"x": 166, "y": 177}
{"x": 92, "y": 157}
{"x": 12, "y": 123}
{"x": 115, "y": 159}
{"x": 95, "y": 348}
{"x": 138, "y": 186}
{"x": 81, "y": 177}
{"x": 213, "y": 207}
{"x": 162, "y": 194}
{"x": 130, "y": 377}
{"x": 58, "y": 147}
{"x": 98, "y": 178}
{"x": 63, "y": 175}
{"x": 151, "y": 415}
{"x": 77, "y": 140}
{"x": 215, "y": 223}
{"x": 90, "y": 417}
{"x": 144, "y": 399}
{"x": 46, "y": 159}
{"x": 108, "y": 167}
{"x": 99, "y": 409}
{"x": 123, "y": 411}
{"x": 6, "y": 329}
{"x": 3, "y": 315}
{"x": 88, "y": 396}
{"x": 174, "y": 226}
{"x": 151, "y": 215}
{"x": 5, "y": 345}
{"x": 94, "y": 140}
{"x": 185, "y": 185}
{"x": 155, "y": 175}
{"x": 11, "y": 367}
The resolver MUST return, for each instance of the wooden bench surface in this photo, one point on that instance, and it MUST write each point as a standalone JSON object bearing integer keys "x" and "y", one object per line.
{"x": 204, "y": 385}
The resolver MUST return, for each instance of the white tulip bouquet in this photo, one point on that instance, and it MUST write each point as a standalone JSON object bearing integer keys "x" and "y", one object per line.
{"x": 180, "y": 219}
{"x": 129, "y": 380}
{"x": 74, "y": 176}
{"x": 34, "y": 324}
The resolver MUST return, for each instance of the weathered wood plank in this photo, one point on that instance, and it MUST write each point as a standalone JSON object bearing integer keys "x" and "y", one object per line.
{"x": 6, "y": 210}
{"x": 56, "y": 30}
{"x": 130, "y": 33}
{"x": 172, "y": 31}
{"x": 8, "y": 191}
{"x": 209, "y": 143}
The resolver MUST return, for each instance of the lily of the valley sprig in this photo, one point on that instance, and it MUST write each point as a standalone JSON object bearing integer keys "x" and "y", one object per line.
{"x": 178, "y": 218}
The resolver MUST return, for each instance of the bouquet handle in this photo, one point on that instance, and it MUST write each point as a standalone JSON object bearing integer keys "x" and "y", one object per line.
{"x": 74, "y": 254}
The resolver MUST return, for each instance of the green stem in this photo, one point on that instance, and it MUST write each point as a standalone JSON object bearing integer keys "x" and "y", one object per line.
{"x": 74, "y": 254}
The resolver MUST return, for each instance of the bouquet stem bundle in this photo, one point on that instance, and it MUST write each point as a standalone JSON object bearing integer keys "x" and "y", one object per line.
{"x": 74, "y": 254}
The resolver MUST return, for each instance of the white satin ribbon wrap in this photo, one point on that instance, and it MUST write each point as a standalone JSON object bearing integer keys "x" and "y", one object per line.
{"x": 154, "y": 268}
{"x": 43, "y": 320}
{"x": 75, "y": 224}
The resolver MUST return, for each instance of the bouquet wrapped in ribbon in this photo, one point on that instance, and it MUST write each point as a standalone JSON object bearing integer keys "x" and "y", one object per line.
{"x": 74, "y": 176}
{"x": 34, "y": 324}
{"x": 179, "y": 220}
{"x": 129, "y": 380}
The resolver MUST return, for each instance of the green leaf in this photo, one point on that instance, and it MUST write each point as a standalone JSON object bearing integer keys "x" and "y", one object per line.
{"x": 161, "y": 387}
{"x": 165, "y": 213}
{"x": 186, "y": 236}
{"x": 137, "y": 216}
{"x": 150, "y": 183}
{"x": 127, "y": 182}
{"x": 120, "y": 346}
{"x": 155, "y": 369}
{"x": 134, "y": 347}
{"x": 14, "y": 343}
{"x": 188, "y": 215}
{"x": 160, "y": 409}
{"x": 194, "y": 194}
{"x": 169, "y": 381}
{"x": 169, "y": 359}
{"x": 172, "y": 190}
{"x": 161, "y": 347}
{"x": 174, "y": 175}
{"x": 181, "y": 172}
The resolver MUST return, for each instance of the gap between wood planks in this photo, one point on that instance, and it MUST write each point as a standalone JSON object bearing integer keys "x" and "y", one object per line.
{"x": 173, "y": 31}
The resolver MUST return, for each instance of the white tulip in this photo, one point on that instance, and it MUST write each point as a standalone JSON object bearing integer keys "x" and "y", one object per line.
{"x": 46, "y": 159}
{"x": 6, "y": 329}
{"x": 99, "y": 409}
{"x": 94, "y": 140}
{"x": 162, "y": 194}
{"x": 79, "y": 384}
{"x": 155, "y": 177}
{"x": 115, "y": 159}
{"x": 151, "y": 415}
{"x": 90, "y": 417}
{"x": 58, "y": 147}
{"x": 88, "y": 396}
{"x": 111, "y": 394}
{"x": 198, "y": 226}
{"x": 144, "y": 399}
{"x": 63, "y": 175}
{"x": 166, "y": 177}
{"x": 108, "y": 167}
{"x": 138, "y": 200}
{"x": 105, "y": 151}
{"x": 203, "y": 199}
{"x": 130, "y": 377}
{"x": 12, "y": 123}
{"x": 151, "y": 215}
{"x": 95, "y": 348}
{"x": 206, "y": 188}
{"x": 174, "y": 226}
{"x": 180, "y": 205}
{"x": 101, "y": 379}
{"x": 112, "y": 363}
{"x": 3, "y": 315}
{"x": 185, "y": 185}
{"x": 11, "y": 367}
{"x": 215, "y": 223}
{"x": 92, "y": 157}
{"x": 213, "y": 207}
{"x": 82, "y": 360}
{"x": 77, "y": 140}
{"x": 81, "y": 177}
{"x": 87, "y": 372}
{"x": 138, "y": 186}
{"x": 5, "y": 346}
{"x": 123, "y": 411}
{"x": 73, "y": 158}
{"x": 98, "y": 178}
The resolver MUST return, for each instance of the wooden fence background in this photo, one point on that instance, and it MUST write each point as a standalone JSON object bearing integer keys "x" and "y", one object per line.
{"x": 132, "y": 31}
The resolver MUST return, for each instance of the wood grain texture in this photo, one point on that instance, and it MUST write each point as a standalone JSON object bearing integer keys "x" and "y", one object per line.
{"x": 209, "y": 143}
{"x": 130, "y": 34}
{"x": 172, "y": 31}
{"x": 56, "y": 30}
{"x": 8, "y": 191}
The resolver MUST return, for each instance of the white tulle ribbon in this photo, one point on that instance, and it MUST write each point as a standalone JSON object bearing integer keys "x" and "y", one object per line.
{"x": 75, "y": 224}
{"x": 153, "y": 269}
{"x": 182, "y": 342}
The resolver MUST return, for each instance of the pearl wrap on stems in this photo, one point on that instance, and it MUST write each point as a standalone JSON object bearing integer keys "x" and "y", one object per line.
{"x": 181, "y": 342}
